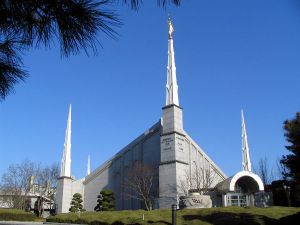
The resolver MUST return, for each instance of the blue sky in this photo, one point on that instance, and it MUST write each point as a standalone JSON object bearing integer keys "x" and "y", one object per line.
{"x": 229, "y": 55}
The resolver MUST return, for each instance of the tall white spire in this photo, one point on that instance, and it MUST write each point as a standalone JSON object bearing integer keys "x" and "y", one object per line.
{"x": 88, "y": 168}
{"x": 65, "y": 170}
{"x": 171, "y": 87}
{"x": 245, "y": 148}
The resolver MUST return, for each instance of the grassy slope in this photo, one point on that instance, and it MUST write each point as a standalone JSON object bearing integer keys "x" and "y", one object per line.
{"x": 17, "y": 215}
{"x": 216, "y": 216}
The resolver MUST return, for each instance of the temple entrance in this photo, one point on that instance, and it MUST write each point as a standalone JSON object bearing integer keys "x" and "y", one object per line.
{"x": 243, "y": 194}
{"x": 240, "y": 189}
{"x": 238, "y": 199}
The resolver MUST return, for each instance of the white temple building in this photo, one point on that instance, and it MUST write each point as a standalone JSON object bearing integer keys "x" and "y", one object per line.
{"x": 172, "y": 152}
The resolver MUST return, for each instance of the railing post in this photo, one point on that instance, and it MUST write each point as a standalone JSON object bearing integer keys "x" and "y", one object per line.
{"x": 174, "y": 208}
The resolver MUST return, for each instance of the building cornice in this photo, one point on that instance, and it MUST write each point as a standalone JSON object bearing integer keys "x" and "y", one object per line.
{"x": 173, "y": 132}
{"x": 65, "y": 177}
{"x": 172, "y": 105}
{"x": 173, "y": 161}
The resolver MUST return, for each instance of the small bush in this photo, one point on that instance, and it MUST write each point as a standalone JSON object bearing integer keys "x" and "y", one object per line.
{"x": 106, "y": 201}
{"x": 76, "y": 203}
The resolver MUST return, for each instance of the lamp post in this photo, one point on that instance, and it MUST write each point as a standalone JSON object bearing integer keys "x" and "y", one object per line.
{"x": 174, "y": 208}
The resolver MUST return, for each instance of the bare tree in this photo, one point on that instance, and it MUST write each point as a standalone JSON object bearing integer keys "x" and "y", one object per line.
{"x": 264, "y": 171}
{"x": 200, "y": 179}
{"x": 186, "y": 183}
{"x": 17, "y": 182}
{"x": 46, "y": 180}
{"x": 138, "y": 183}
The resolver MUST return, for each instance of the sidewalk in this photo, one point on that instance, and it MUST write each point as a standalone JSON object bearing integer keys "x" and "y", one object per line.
{"x": 33, "y": 223}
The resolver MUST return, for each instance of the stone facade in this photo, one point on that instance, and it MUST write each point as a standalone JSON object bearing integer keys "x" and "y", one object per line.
{"x": 173, "y": 154}
{"x": 64, "y": 194}
{"x": 179, "y": 156}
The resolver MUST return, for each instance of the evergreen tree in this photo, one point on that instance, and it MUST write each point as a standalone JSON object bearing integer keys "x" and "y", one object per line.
{"x": 292, "y": 161}
{"x": 76, "y": 24}
{"x": 76, "y": 203}
{"x": 106, "y": 201}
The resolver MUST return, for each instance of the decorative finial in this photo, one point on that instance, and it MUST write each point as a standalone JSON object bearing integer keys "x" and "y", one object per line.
{"x": 88, "y": 170}
{"x": 171, "y": 28}
{"x": 246, "y": 164}
{"x": 171, "y": 86}
{"x": 66, "y": 159}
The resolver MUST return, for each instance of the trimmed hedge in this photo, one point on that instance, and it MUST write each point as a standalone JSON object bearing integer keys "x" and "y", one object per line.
{"x": 217, "y": 216}
{"x": 16, "y": 215}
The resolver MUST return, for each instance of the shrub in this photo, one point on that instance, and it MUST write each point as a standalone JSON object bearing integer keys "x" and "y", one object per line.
{"x": 76, "y": 203}
{"x": 280, "y": 195}
{"x": 106, "y": 201}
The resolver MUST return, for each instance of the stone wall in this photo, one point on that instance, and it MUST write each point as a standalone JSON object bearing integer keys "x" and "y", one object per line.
{"x": 144, "y": 149}
{"x": 197, "y": 157}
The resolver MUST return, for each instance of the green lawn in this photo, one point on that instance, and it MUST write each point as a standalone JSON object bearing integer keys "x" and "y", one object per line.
{"x": 17, "y": 215}
{"x": 215, "y": 216}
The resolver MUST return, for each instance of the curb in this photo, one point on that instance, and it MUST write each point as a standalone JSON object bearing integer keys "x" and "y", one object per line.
{"x": 33, "y": 223}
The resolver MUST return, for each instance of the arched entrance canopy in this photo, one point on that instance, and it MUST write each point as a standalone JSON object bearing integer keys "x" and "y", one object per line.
{"x": 244, "y": 178}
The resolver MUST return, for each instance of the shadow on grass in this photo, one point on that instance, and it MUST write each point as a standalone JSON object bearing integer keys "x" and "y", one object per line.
{"x": 159, "y": 221}
{"x": 223, "y": 218}
{"x": 98, "y": 223}
{"x": 290, "y": 220}
{"x": 114, "y": 223}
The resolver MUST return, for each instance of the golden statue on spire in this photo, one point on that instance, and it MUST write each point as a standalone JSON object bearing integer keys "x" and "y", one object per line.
{"x": 171, "y": 28}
